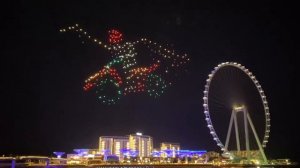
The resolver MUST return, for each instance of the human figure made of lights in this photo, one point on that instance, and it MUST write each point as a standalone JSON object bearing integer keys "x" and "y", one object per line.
{"x": 122, "y": 76}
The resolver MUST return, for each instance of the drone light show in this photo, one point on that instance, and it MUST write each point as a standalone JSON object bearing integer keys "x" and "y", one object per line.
{"x": 123, "y": 75}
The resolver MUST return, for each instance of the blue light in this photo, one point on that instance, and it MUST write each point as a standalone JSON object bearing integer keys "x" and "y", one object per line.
{"x": 191, "y": 152}
{"x": 81, "y": 151}
{"x": 128, "y": 152}
{"x": 156, "y": 153}
{"x": 59, "y": 154}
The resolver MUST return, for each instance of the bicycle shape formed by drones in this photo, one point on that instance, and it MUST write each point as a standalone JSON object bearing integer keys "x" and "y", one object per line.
{"x": 122, "y": 75}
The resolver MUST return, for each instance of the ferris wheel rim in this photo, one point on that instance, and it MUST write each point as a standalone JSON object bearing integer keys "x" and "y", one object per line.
{"x": 259, "y": 89}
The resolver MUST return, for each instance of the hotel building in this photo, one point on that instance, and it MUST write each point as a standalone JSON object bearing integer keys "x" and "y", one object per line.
{"x": 169, "y": 149}
{"x": 113, "y": 145}
{"x": 141, "y": 144}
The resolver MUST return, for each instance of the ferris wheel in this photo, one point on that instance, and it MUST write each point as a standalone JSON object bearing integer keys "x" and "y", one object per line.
{"x": 233, "y": 97}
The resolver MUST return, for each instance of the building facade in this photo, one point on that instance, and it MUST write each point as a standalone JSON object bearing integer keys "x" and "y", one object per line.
{"x": 142, "y": 145}
{"x": 169, "y": 149}
{"x": 113, "y": 145}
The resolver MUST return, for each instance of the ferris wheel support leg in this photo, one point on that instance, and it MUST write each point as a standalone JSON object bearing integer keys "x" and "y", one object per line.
{"x": 229, "y": 132}
{"x": 246, "y": 131}
{"x": 237, "y": 136}
{"x": 257, "y": 139}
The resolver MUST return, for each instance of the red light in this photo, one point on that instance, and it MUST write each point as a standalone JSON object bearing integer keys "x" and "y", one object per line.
{"x": 115, "y": 36}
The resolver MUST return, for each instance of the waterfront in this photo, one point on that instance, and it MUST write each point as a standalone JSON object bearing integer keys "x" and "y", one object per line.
{"x": 48, "y": 163}
{"x": 155, "y": 166}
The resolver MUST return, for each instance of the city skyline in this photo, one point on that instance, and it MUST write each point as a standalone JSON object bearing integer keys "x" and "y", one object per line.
{"x": 132, "y": 146}
{"x": 45, "y": 108}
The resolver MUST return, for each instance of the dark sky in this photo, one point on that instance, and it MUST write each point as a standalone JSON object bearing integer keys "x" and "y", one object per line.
{"x": 43, "y": 105}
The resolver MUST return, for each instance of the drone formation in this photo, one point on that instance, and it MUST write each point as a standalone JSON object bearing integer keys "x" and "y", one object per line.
{"x": 123, "y": 75}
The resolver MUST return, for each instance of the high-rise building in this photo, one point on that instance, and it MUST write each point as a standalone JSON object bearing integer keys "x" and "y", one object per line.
{"x": 113, "y": 145}
{"x": 120, "y": 144}
{"x": 106, "y": 145}
{"x": 141, "y": 144}
{"x": 169, "y": 149}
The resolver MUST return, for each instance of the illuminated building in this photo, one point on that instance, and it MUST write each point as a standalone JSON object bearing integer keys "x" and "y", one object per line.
{"x": 83, "y": 156}
{"x": 106, "y": 145}
{"x": 190, "y": 153}
{"x": 169, "y": 149}
{"x": 83, "y": 152}
{"x": 156, "y": 152}
{"x": 113, "y": 145}
{"x": 141, "y": 144}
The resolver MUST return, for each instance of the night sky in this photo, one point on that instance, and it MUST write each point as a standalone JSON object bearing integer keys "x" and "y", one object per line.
{"x": 43, "y": 105}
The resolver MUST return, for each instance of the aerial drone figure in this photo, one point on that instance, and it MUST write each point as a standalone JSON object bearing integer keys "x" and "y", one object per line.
{"x": 122, "y": 76}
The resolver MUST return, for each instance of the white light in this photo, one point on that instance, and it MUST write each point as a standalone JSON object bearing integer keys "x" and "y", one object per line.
{"x": 89, "y": 156}
{"x": 139, "y": 134}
